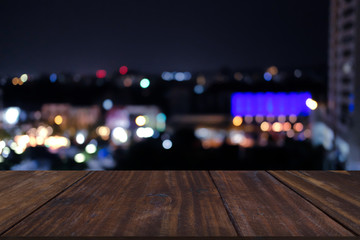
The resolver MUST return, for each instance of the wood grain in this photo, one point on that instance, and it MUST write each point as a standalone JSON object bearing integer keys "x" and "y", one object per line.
{"x": 133, "y": 203}
{"x": 23, "y": 192}
{"x": 337, "y": 192}
{"x": 259, "y": 205}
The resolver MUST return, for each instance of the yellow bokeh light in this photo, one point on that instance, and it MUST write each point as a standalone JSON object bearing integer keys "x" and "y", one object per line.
{"x": 103, "y": 132}
{"x": 140, "y": 121}
{"x": 277, "y": 127}
{"x": 312, "y": 104}
{"x": 24, "y": 77}
{"x": 237, "y": 121}
{"x": 265, "y": 126}
{"x": 58, "y": 119}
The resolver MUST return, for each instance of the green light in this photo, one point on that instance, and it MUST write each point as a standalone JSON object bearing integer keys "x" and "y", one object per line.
{"x": 145, "y": 83}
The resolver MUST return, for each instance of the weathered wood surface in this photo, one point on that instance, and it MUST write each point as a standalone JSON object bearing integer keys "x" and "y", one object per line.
{"x": 136, "y": 203}
{"x": 260, "y": 205}
{"x": 22, "y": 192}
{"x": 335, "y": 192}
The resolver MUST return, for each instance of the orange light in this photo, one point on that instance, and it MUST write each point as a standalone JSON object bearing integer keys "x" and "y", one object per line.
{"x": 298, "y": 127}
{"x": 237, "y": 121}
{"x": 58, "y": 120}
{"x": 265, "y": 126}
{"x": 286, "y": 126}
{"x": 273, "y": 70}
{"x": 15, "y": 81}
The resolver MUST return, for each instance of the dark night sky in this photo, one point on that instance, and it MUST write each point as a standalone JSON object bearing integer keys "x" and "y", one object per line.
{"x": 160, "y": 35}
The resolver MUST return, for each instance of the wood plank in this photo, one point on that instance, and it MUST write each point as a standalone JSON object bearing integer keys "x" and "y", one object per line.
{"x": 336, "y": 193}
{"x": 133, "y": 203}
{"x": 259, "y": 205}
{"x": 22, "y": 192}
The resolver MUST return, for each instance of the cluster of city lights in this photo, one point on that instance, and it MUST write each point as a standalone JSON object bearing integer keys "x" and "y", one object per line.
{"x": 178, "y": 76}
{"x": 270, "y": 73}
{"x": 281, "y": 125}
{"x": 20, "y": 80}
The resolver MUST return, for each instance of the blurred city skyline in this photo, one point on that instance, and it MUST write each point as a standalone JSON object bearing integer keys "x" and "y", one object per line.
{"x": 155, "y": 36}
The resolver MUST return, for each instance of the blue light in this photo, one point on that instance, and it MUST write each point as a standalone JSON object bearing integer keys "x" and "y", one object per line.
{"x": 267, "y": 76}
{"x": 53, "y": 77}
{"x": 351, "y": 107}
{"x": 107, "y": 104}
{"x": 167, "y": 76}
{"x": 179, "y": 76}
{"x": 187, "y": 75}
{"x": 103, "y": 153}
{"x": 199, "y": 89}
{"x": 161, "y": 117}
{"x": 269, "y": 103}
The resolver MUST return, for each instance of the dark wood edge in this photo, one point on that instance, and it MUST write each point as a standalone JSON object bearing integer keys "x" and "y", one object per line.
{"x": 312, "y": 203}
{"x": 40, "y": 206}
{"x": 176, "y": 238}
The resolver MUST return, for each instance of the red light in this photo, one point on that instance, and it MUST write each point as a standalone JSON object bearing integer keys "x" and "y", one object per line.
{"x": 123, "y": 70}
{"x": 100, "y": 73}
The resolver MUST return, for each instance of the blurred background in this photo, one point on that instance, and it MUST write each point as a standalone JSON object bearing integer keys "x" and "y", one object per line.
{"x": 179, "y": 84}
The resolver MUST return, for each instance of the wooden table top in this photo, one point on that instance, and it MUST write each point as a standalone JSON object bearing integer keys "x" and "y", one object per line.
{"x": 179, "y": 203}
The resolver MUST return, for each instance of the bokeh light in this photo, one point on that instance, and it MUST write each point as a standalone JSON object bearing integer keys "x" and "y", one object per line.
{"x": 11, "y": 115}
{"x": 123, "y": 70}
{"x": 53, "y": 77}
{"x": 58, "y": 119}
{"x": 107, "y": 104}
{"x": 80, "y": 138}
{"x": 144, "y": 132}
{"x": 167, "y": 144}
{"x": 24, "y": 77}
{"x": 267, "y": 76}
{"x": 140, "y": 120}
{"x": 277, "y": 127}
{"x": 312, "y": 104}
{"x": 248, "y": 119}
{"x": 265, "y": 126}
{"x": 199, "y": 89}
{"x": 273, "y": 70}
{"x": 101, "y": 73}
{"x": 298, "y": 127}
{"x": 237, "y": 121}
{"x": 292, "y": 118}
{"x": 119, "y": 135}
{"x": 286, "y": 126}
{"x": 80, "y": 158}
{"x": 144, "y": 83}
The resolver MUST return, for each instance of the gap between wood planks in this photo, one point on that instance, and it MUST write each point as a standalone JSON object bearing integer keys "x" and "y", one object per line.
{"x": 51, "y": 198}
{"x": 289, "y": 187}
{"x": 231, "y": 217}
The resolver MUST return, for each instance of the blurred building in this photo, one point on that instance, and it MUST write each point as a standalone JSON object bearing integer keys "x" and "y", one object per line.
{"x": 344, "y": 74}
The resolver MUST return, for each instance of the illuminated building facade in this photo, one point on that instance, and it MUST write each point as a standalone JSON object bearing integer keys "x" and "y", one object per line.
{"x": 344, "y": 84}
